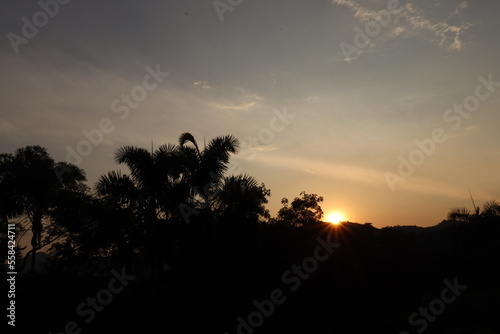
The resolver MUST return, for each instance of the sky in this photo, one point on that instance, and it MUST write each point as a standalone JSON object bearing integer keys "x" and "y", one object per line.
{"x": 387, "y": 109}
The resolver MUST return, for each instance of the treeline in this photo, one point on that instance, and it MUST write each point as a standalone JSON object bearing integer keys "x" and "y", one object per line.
{"x": 178, "y": 245}
{"x": 132, "y": 217}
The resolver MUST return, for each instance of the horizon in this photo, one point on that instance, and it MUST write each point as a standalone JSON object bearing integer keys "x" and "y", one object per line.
{"x": 387, "y": 109}
{"x": 45, "y": 250}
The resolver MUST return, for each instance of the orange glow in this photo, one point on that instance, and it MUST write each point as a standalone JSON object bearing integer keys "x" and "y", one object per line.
{"x": 335, "y": 218}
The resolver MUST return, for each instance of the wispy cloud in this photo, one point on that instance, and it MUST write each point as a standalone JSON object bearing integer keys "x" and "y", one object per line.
{"x": 360, "y": 12}
{"x": 236, "y": 99}
{"x": 337, "y": 171}
{"x": 447, "y": 35}
{"x": 460, "y": 8}
{"x": 311, "y": 99}
{"x": 247, "y": 94}
{"x": 204, "y": 85}
{"x": 413, "y": 21}
{"x": 432, "y": 186}
{"x": 242, "y": 106}
{"x": 266, "y": 148}
{"x": 364, "y": 175}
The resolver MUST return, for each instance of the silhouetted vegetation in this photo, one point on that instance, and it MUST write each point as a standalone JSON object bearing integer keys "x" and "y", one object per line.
{"x": 304, "y": 210}
{"x": 201, "y": 250}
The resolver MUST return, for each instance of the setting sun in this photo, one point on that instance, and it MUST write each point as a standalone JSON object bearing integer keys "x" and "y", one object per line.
{"x": 334, "y": 218}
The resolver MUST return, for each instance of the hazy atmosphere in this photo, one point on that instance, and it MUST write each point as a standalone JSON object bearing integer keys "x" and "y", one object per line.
{"x": 325, "y": 96}
{"x": 250, "y": 166}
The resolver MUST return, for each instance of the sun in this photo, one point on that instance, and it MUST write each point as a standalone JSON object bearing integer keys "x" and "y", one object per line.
{"x": 335, "y": 218}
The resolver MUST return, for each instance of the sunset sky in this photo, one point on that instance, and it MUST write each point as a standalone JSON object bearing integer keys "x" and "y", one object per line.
{"x": 326, "y": 96}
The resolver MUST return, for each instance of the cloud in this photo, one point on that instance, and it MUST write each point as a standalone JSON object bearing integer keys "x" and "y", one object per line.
{"x": 243, "y": 106}
{"x": 447, "y": 35}
{"x": 246, "y": 100}
{"x": 247, "y": 94}
{"x": 248, "y": 152}
{"x": 266, "y": 148}
{"x": 432, "y": 186}
{"x": 459, "y": 9}
{"x": 361, "y": 13}
{"x": 311, "y": 99}
{"x": 413, "y": 21}
{"x": 337, "y": 170}
{"x": 365, "y": 175}
{"x": 204, "y": 85}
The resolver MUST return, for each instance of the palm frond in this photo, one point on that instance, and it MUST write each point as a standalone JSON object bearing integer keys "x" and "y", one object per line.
{"x": 187, "y": 137}
{"x": 217, "y": 153}
{"x": 109, "y": 183}
{"x": 460, "y": 214}
{"x": 166, "y": 150}
{"x": 138, "y": 160}
{"x": 491, "y": 208}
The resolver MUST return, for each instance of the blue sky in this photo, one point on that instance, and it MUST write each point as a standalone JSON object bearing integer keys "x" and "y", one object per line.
{"x": 352, "y": 116}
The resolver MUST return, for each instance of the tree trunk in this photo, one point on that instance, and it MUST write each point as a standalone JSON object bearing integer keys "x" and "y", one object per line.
{"x": 36, "y": 228}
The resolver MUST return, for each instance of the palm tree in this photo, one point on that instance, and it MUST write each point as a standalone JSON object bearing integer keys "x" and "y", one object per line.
{"x": 460, "y": 214}
{"x": 159, "y": 182}
{"x": 241, "y": 199}
{"x": 203, "y": 170}
{"x": 491, "y": 209}
{"x": 29, "y": 185}
{"x": 150, "y": 190}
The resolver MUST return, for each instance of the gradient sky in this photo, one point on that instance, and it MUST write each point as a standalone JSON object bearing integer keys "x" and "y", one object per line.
{"x": 354, "y": 113}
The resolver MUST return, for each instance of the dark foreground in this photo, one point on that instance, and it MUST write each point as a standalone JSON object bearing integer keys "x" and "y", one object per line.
{"x": 351, "y": 278}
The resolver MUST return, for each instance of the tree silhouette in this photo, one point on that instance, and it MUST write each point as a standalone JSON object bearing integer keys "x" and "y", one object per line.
{"x": 149, "y": 191}
{"x": 80, "y": 228}
{"x": 491, "y": 209}
{"x": 304, "y": 210}
{"x": 240, "y": 199}
{"x": 30, "y": 186}
{"x": 460, "y": 214}
{"x": 203, "y": 170}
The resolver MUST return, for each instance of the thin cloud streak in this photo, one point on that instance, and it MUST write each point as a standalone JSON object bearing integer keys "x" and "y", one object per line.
{"x": 371, "y": 177}
{"x": 244, "y": 106}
